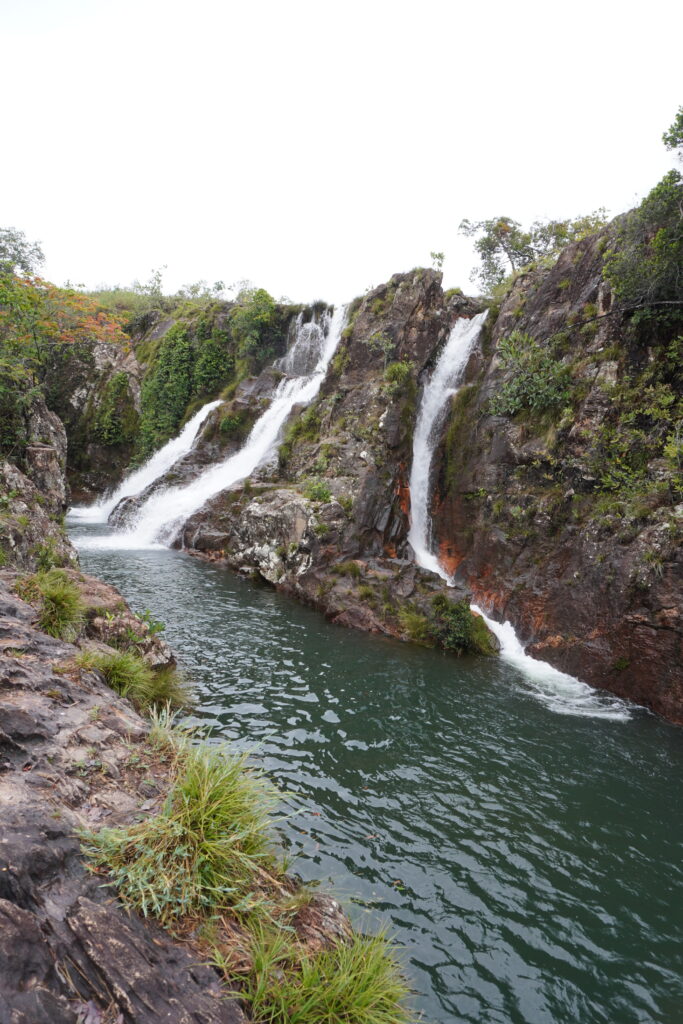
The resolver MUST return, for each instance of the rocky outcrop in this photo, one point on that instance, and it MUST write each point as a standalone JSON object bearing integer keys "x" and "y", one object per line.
{"x": 72, "y": 755}
{"x": 588, "y": 572}
{"x": 519, "y": 513}
{"x": 328, "y": 523}
{"x": 34, "y": 495}
{"x": 94, "y": 388}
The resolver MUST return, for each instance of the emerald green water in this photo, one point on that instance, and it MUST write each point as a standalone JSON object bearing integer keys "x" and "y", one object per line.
{"x": 527, "y": 861}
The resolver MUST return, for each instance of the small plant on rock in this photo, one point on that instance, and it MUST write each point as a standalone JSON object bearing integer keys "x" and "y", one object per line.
{"x": 61, "y": 609}
{"x": 317, "y": 490}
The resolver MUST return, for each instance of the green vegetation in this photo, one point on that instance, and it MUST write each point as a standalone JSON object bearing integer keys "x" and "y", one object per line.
{"x": 207, "y": 859}
{"x": 305, "y": 427}
{"x": 116, "y": 419}
{"x": 457, "y": 629}
{"x": 317, "y": 490}
{"x": 380, "y": 342}
{"x": 399, "y": 378}
{"x": 416, "y": 625}
{"x": 643, "y": 263}
{"x": 451, "y": 626}
{"x": 47, "y": 556}
{"x": 351, "y": 569}
{"x": 203, "y": 851}
{"x": 644, "y": 424}
{"x": 504, "y": 246}
{"x": 167, "y": 390}
{"x": 257, "y": 324}
{"x": 358, "y": 981}
{"x": 39, "y": 323}
{"x": 536, "y": 379}
{"x": 127, "y": 673}
{"x": 61, "y": 612}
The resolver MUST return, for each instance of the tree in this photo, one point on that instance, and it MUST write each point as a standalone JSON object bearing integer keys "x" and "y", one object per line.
{"x": 437, "y": 259}
{"x": 504, "y": 246}
{"x": 645, "y": 262}
{"x": 17, "y": 254}
{"x": 673, "y": 137}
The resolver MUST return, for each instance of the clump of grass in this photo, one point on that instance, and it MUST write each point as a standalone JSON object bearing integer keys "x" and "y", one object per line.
{"x": 204, "y": 850}
{"x": 358, "y": 981}
{"x": 128, "y": 674}
{"x": 61, "y": 608}
{"x": 416, "y": 625}
{"x": 351, "y": 569}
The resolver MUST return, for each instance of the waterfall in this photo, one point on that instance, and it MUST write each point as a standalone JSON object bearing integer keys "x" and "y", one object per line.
{"x": 309, "y": 342}
{"x": 162, "y": 516}
{"x": 558, "y": 690}
{"x": 442, "y": 385}
{"x": 155, "y": 467}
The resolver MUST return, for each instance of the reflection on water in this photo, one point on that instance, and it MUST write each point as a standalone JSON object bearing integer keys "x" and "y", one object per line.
{"x": 528, "y": 862}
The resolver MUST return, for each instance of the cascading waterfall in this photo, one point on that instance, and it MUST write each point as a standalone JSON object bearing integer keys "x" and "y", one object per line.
{"x": 561, "y": 692}
{"x": 155, "y": 467}
{"x": 309, "y": 342}
{"x": 160, "y": 519}
{"x": 442, "y": 385}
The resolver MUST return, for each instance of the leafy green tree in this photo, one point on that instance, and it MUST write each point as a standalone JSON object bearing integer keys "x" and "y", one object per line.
{"x": 673, "y": 137}
{"x": 504, "y": 246}
{"x": 255, "y": 323}
{"x": 17, "y": 254}
{"x": 644, "y": 265}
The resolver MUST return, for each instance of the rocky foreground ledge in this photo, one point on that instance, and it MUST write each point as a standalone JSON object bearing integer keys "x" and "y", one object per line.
{"x": 74, "y": 755}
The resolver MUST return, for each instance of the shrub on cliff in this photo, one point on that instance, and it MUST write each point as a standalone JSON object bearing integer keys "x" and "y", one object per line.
{"x": 457, "y": 628}
{"x": 645, "y": 263}
{"x": 535, "y": 379}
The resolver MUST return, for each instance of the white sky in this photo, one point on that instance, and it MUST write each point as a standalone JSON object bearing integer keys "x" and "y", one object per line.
{"x": 317, "y": 148}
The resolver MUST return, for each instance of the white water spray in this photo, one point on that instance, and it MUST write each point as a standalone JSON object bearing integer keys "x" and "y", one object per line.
{"x": 162, "y": 516}
{"x": 155, "y": 467}
{"x": 560, "y": 692}
{"x": 309, "y": 344}
{"x": 443, "y": 385}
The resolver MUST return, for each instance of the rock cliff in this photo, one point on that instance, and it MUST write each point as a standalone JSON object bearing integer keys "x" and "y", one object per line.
{"x": 34, "y": 494}
{"x": 567, "y": 519}
{"x": 562, "y": 514}
{"x": 73, "y": 755}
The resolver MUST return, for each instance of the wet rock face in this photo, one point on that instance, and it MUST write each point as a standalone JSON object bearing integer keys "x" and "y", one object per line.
{"x": 31, "y": 533}
{"x": 68, "y": 950}
{"x": 84, "y": 380}
{"x": 514, "y": 507}
{"x": 329, "y": 524}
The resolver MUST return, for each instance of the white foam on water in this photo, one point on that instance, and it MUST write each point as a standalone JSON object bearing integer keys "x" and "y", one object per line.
{"x": 162, "y": 516}
{"x": 141, "y": 478}
{"x": 558, "y": 690}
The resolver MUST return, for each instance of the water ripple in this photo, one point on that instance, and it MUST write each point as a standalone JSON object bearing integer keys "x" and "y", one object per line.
{"x": 528, "y": 863}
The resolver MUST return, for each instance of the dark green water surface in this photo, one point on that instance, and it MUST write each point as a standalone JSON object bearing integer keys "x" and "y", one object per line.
{"x": 527, "y": 861}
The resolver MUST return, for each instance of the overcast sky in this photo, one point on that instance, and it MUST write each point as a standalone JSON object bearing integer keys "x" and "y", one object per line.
{"x": 315, "y": 148}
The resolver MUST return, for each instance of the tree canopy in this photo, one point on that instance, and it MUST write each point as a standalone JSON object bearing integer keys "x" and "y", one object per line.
{"x": 504, "y": 245}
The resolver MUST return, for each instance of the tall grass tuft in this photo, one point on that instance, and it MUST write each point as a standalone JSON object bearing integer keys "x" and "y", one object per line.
{"x": 356, "y": 982}
{"x": 205, "y": 849}
{"x": 61, "y": 608}
{"x": 128, "y": 674}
